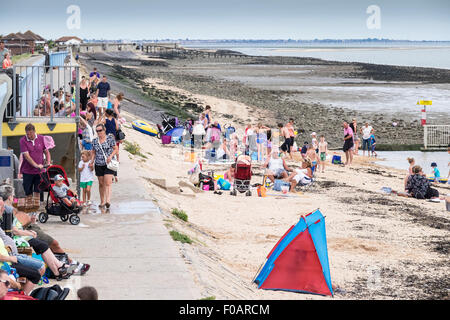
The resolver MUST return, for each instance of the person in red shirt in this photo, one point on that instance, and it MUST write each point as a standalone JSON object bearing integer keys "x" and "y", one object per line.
{"x": 7, "y": 61}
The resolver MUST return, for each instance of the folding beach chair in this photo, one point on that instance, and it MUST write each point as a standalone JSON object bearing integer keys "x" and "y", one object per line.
{"x": 306, "y": 187}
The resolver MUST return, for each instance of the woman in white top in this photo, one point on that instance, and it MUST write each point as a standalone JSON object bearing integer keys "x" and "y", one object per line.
{"x": 303, "y": 175}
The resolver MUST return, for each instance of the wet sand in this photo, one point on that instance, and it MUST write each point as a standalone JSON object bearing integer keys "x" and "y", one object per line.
{"x": 318, "y": 94}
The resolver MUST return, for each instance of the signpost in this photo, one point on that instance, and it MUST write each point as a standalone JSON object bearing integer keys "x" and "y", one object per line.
{"x": 424, "y": 103}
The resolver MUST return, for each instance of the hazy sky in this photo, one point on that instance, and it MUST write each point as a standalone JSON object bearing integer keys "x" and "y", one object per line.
{"x": 230, "y": 19}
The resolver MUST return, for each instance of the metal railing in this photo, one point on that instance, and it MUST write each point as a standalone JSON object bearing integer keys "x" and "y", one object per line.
{"x": 58, "y": 59}
{"x": 435, "y": 136}
{"x": 37, "y": 87}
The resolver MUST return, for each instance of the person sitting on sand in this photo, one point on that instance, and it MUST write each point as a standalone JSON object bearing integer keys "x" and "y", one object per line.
{"x": 61, "y": 190}
{"x": 276, "y": 167}
{"x": 419, "y": 187}
{"x": 303, "y": 175}
{"x": 229, "y": 174}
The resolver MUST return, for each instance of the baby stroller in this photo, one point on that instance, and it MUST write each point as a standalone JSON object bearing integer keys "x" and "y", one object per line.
{"x": 168, "y": 123}
{"x": 242, "y": 176}
{"x": 57, "y": 207}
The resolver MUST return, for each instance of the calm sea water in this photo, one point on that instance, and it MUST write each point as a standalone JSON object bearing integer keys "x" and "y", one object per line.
{"x": 402, "y": 55}
{"x": 397, "y": 159}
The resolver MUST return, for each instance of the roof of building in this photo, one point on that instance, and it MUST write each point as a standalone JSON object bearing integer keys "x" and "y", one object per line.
{"x": 31, "y": 34}
{"x": 65, "y": 39}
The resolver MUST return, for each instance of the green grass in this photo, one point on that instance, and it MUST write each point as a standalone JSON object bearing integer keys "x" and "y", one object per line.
{"x": 208, "y": 298}
{"x": 180, "y": 214}
{"x": 17, "y": 58}
{"x": 134, "y": 149}
{"x": 176, "y": 236}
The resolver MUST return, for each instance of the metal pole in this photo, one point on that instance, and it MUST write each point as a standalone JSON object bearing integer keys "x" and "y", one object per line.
{"x": 425, "y": 132}
{"x": 51, "y": 92}
{"x": 14, "y": 94}
{"x": 77, "y": 119}
{"x": 32, "y": 89}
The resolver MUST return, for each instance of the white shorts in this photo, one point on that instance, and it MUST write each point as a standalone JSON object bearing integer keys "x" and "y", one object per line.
{"x": 103, "y": 102}
{"x": 301, "y": 176}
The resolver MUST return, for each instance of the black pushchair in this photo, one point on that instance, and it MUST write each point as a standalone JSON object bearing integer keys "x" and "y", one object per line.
{"x": 168, "y": 123}
{"x": 55, "y": 206}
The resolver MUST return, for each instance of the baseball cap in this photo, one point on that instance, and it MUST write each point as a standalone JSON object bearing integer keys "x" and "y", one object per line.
{"x": 58, "y": 177}
{"x": 433, "y": 164}
{"x": 313, "y": 134}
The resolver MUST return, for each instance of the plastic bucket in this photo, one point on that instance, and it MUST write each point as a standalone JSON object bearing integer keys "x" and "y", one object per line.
{"x": 166, "y": 139}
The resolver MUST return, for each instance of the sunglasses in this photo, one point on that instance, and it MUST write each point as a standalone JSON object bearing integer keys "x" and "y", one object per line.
{"x": 99, "y": 130}
{"x": 6, "y": 282}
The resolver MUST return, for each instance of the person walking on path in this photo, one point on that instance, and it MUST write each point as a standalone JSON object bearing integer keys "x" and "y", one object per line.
{"x": 366, "y": 131}
{"x": 104, "y": 148}
{"x": 84, "y": 91}
{"x": 348, "y": 143}
{"x": 103, "y": 94}
{"x": 32, "y": 148}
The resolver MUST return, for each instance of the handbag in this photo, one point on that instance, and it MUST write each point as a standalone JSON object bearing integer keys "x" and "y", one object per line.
{"x": 120, "y": 135}
{"x": 113, "y": 164}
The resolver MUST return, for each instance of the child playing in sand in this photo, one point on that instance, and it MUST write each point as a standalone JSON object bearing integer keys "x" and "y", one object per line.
{"x": 86, "y": 176}
{"x": 323, "y": 151}
{"x": 61, "y": 190}
{"x": 436, "y": 173}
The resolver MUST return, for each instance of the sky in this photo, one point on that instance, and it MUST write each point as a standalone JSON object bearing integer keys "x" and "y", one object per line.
{"x": 229, "y": 19}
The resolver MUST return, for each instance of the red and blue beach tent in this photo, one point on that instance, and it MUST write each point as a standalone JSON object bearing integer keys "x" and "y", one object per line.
{"x": 299, "y": 260}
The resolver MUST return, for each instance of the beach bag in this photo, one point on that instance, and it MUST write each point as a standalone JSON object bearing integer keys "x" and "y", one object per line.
{"x": 120, "y": 135}
{"x": 279, "y": 183}
{"x": 223, "y": 184}
{"x": 54, "y": 292}
{"x": 166, "y": 139}
{"x": 336, "y": 160}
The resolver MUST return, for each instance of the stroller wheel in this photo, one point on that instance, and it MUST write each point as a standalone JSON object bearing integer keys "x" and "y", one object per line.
{"x": 43, "y": 217}
{"x": 74, "y": 219}
{"x": 64, "y": 218}
{"x": 248, "y": 193}
{"x": 233, "y": 193}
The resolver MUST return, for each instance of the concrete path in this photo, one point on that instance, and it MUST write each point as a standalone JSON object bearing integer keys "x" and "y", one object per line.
{"x": 131, "y": 253}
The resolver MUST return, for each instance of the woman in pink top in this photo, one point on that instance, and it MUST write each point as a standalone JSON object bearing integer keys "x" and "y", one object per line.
{"x": 348, "y": 143}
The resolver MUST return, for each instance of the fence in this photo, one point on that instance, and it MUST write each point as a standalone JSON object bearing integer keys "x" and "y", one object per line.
{"x": 57, "y": 59}
{"x": 34, "y": 89}
{"x": 436, "y": 136}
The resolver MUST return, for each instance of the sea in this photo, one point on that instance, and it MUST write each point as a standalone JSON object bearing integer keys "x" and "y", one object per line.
{"x": 415, "y": 54}
{"x": 398, "y": 160}
{"x": 382, "y": 98}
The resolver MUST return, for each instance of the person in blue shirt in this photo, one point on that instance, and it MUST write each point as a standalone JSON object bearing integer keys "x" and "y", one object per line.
{"x": 373, "y": 144}
{"x": 436, "y": 172}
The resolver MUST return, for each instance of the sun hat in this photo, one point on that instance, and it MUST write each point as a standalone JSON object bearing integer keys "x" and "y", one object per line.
{"x": 433, "y": 164}
{"x": 313, "y": 134}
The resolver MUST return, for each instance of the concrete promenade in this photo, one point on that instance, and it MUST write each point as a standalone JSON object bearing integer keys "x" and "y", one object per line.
{"x": 131, "y": 253}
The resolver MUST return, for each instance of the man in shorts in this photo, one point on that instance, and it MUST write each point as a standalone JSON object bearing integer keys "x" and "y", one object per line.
{"x": 103, "y": 92}
{"x": 33, "y": 148}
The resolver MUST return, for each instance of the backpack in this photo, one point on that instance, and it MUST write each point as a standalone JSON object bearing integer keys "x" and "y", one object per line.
{"x": 54, "y": 292}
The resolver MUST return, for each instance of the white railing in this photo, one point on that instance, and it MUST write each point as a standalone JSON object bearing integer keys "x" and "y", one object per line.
{"x": 436, "y": 136}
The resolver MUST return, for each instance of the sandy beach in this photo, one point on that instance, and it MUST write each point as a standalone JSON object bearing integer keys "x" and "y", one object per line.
{"x": 380, "y": 246}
